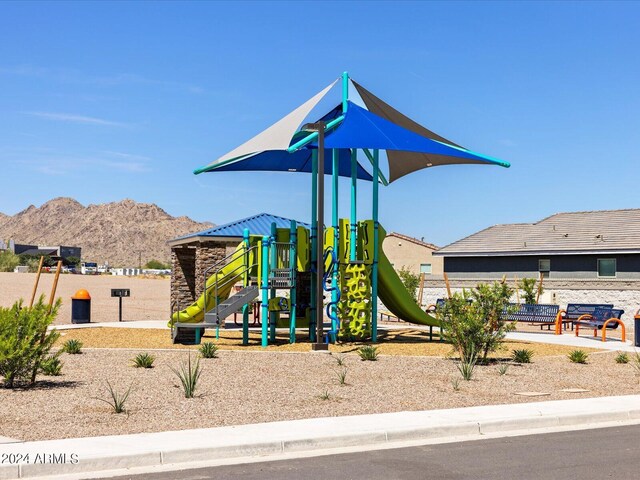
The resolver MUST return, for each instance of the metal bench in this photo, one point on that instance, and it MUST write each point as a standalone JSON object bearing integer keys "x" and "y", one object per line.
{"x": 601, "y": 319}
{"x": 575, "y": 310}
{"x": 541, "y": 314}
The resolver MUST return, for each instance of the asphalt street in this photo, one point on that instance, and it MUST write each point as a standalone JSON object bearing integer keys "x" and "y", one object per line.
{"x": 584, "y": 454}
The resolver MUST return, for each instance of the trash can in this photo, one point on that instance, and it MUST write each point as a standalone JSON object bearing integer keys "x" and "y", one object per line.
{"x": 636, "y": 329}
{"x": 81, "y": 307}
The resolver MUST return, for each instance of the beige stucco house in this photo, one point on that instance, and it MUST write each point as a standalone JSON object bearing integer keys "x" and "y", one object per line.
{"x": 414, "y": 254}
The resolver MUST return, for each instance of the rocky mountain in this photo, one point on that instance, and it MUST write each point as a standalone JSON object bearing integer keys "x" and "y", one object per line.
{"x": 121, "y": 233}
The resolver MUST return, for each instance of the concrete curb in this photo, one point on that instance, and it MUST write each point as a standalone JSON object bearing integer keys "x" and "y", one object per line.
{"x": 54, "y": 458}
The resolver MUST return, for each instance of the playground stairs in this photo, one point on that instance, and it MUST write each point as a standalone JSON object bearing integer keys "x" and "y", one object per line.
{"x": 216, "y": 315}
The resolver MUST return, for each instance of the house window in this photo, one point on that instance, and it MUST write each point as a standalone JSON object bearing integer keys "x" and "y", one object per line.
{"x": 606, "y": 267}
{"x": 425, "y": 268}
{"x": 544, "y": 267}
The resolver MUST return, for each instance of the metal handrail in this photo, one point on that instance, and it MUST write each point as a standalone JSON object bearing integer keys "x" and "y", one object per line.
{"x": 234, "y": 278}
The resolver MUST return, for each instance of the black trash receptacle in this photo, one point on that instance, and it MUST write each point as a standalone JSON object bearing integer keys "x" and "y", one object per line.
{"x": 81, "y": 307}
{"x": 636, "y": 329}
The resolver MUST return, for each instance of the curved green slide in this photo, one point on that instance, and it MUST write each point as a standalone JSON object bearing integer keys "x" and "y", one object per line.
{"x": 395, "y": 296}
{"x": 225, "y": 278}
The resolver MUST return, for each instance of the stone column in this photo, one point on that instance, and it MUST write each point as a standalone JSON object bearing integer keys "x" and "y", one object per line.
{"x": 183, "y": 276}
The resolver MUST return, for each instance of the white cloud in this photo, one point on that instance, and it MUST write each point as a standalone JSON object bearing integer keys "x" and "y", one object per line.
{"x": 69, "y": 117}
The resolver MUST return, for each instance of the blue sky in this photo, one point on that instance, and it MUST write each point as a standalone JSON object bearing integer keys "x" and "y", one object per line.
{"x": 105, "y": 101}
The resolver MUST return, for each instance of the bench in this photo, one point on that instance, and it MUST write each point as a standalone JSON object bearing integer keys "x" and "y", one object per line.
{"x": 541, "y": 314}
{"x": 389, "y": 315}
{"x": 601, "y": 319}
{"x": 575, "y": 310}
{"x": 435, "y": 306}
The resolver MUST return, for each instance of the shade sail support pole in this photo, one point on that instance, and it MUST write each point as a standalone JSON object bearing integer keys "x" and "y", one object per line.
{"x": 314, "y": 239}
{"x": 376, "y": 252}
{"x": 336, "y": 235}
{"x": 381, "y": 176}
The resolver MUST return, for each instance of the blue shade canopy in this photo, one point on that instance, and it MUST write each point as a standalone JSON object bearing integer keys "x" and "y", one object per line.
{"x": 298, "y": 161}
{"x": 407, "y": 151}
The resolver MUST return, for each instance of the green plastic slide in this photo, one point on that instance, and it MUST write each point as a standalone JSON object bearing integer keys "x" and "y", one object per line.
{"x": 225, "y": 278}
{"x": 395, "y": 296}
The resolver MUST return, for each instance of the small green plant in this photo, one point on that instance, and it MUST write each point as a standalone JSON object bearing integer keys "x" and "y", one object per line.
{"x": 208, "y": 350}
{"x": 116, "y": 399}
{"x": 72, "y": 346}
{"x": 578, "y": 356}
{"x": 530, "y": 293}
{"x": 143, "y": 360}
{"x": 342, "y": 376}
{"x": 411, "y": 282}
{"x": 189, "y": 374}
{"x": 467, "y": 365}
{"x": 503, "y": 368}
{"x": 522, "y": 355}
{"x": 324, "y": 395}
{"x": 368, "y": 353}
{"x": 622, "y": 357}
{"x": 636, "y": 362}
{"x": 51, "y": 366}
{"x": 340, "y": 359}
{"x": 455, "y": 383}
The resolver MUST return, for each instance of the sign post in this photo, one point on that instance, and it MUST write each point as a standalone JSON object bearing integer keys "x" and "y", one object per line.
{"x": 120, "y": 293}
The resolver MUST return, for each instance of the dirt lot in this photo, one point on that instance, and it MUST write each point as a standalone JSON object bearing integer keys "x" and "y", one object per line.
{"x": 149, "y": 297}
{"x": 248, "y": 386}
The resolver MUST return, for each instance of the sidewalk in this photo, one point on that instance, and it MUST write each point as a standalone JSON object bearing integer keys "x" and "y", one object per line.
{"x": 181, "y": 449}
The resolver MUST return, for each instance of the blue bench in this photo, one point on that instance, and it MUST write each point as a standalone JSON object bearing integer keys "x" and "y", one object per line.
{"x": 542, "y": 314}
{"x": 575, "y": 310}
{"x": 601, "y": 319}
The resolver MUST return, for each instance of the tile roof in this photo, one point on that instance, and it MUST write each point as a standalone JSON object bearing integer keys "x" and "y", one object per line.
{"x": 413, "y": 240}
{"x": 574, "y": 232}
{"x": 259, "y": 224}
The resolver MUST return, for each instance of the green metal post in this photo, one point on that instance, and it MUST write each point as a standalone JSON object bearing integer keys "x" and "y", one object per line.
{"x": 273, "y": 248}
{"x": 374, "y": 269}
{"x": 245, "y": 283}
{"x": 293, "y": 265}
{"x": 314, "y": 239}
{"x": 354, "y": 209}
{"x": 336, "y": 232}
{"x": 264, "y": 286}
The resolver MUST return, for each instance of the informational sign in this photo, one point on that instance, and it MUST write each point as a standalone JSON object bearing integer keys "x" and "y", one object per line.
{"x": 120, "y": 292}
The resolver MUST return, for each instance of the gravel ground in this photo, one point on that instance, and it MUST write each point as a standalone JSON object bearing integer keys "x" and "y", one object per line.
{"x": 247, "y": 387}
{"x": 149, "y": 296}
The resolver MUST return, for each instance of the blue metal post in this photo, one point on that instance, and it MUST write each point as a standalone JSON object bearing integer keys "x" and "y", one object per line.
{"x": 293, "y": 265}
{"x": 314, "y": 239}
{"x": 345, "y": 92}
{"x": 336, "y": 234}
{"x": 273, "y": 246}
{"x": 354, "y": 209}
{"x": 245, "y": 283}
{"x": 264, "y": 286}
{"x": 374, "y": 269}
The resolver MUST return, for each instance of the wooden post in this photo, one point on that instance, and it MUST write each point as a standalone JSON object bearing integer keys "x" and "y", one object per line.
{"x": 35, "y": 286}
{"x": 421, "y": 288}
{"x": 515, "y": 279}
{"x": 446, "y": 282}
{"x": 55, "y": 284}
{"x": 539, "y": 288}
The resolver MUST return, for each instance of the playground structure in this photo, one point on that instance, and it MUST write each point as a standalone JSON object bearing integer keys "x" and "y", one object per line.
{"x": 346, "y": 260}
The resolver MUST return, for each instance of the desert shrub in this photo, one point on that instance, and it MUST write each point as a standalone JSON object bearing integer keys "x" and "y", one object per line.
{"x": 475, "y": 321}
{"x": 51, "y": 365}
{"x": 157, "y": 265}
{"x": 8, "y": 261}
{"x": 208, "y": 350}
{"x": 340, "y": 359}
{"x": 368, "y": 353}
{"x": 72, "y": 346}
{"x": 342, "y": 376}
{"x": 455, "y": 383}
{"x": 529, "y": 291}
{"x": 578, "y": 356}
{"x": 467, "y": 365}
{"x": 324, "y": 395}
{"x": 143, "y": 360}
{"x": 411, "y": 282}
{"x": 522, "y": 355}
{"x": 503, "y": 368}
{"x": 116, "y": 400}
{"x": 189, "y": 374}
{"x": 622, "y": 357}
{"x": 24, "y": 340}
